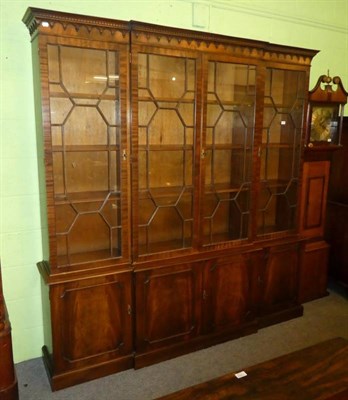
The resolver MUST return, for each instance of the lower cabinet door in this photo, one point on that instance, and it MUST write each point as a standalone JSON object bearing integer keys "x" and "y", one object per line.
{"x": 91, "y": 321}
{"x": 313, "y": 271}
{"x": 279, "y": 280}
{"x": 228, "y": 293}
{"x": 167, "y": 306}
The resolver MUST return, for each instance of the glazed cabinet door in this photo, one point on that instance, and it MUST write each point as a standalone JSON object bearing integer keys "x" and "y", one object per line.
{"x": 228, "y": 130}
{"x": 164, "y": 132}
{"x": 91, "y": 323}
{"x": 86, "y": 149}
{"x": 167, "y": 306}
{"x": 313, "y": 270}
{"x": 229, "y": 289}
{"x": 279, "y": 279}
{"x": 280, "y": 150}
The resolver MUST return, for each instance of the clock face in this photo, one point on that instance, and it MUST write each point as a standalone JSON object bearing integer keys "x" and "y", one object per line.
{"x": 324, "y": 124}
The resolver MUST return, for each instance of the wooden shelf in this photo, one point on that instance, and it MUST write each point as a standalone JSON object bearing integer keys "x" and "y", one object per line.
{"x": 79, "y": 148}
{"x": 87, "y": 256}
{"x": 170, "y": 191}
{"x": 226, "y": 188}
{"x": 165, "y": 147}
{"x": 236, "y": 104}
{"x": 279, "y": 106}
{"x": 163, "y": 192}
{"x": 165, "y": 99}
{"x": 273, "y": 183}
{"x": 85, "y": 197}
{"x": 228, "y": 146}
{"x": 278, "y": 145}
{"x": 221, "y": 237}
{"x": 274, "y": 230}
{"x": 87, "y": 96}
{"x": 160, "y": 247}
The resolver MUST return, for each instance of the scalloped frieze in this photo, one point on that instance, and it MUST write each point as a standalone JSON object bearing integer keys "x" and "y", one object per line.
{"x": 144, "y": 37}
{"x": 108, "y": 29}
{"x": 287, "y": 58}
{"x": 63, "y": 23}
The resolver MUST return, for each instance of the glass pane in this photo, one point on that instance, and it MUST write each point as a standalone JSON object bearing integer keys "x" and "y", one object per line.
{"x": 85, "y": 116}
{"x": 280, "y": 150}
{"x": 166, "y": 91}
{"x": 229, "y": 122}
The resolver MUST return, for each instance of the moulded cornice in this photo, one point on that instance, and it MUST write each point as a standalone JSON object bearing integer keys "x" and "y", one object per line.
{"x": 196, "y": 39}
{"x": 145, "y": 33}
{"x": 34, "y": 17}
{"x": 152, "y": 34}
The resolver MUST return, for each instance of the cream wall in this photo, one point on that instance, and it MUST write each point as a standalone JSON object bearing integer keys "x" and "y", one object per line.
{"x": 316, "y": 24}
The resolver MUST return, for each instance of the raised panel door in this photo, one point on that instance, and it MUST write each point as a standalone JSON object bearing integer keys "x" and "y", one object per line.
{"x": 91, "y": 321}
{"x": 229, "y": 287}
{"x": 313, "y": 271}
{"x": 279, "y": 280}
{"x": 167, "y": 306}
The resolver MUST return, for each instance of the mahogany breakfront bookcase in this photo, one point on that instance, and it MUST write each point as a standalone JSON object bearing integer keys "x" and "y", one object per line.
{"x": 172, "y": 164}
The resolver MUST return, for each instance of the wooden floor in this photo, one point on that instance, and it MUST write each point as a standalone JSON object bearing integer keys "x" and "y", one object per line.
{"x": 318, "y": 372}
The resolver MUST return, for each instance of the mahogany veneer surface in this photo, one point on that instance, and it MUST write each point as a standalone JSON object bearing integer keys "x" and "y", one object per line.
{"x": 318, "y": 372}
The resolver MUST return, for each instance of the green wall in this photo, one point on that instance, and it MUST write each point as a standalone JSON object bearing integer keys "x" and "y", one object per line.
{"x": 316, "y": 24}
